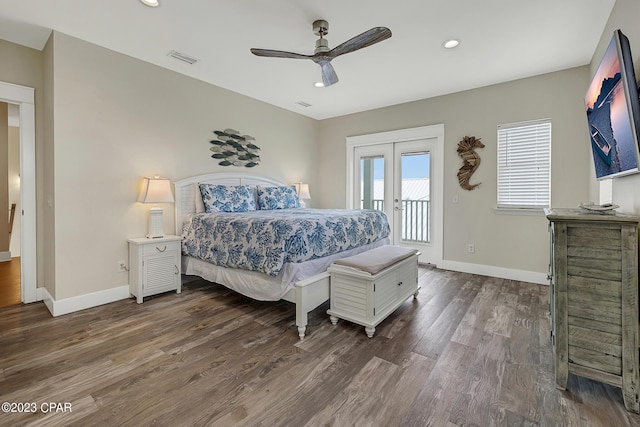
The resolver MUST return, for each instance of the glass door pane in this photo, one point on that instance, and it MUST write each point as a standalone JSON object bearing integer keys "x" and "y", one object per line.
{"x": 372, "y": 182}
{"x": 415, "y": 201}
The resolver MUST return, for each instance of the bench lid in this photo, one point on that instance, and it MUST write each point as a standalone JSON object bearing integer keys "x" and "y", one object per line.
{"x": 376, "y": 260}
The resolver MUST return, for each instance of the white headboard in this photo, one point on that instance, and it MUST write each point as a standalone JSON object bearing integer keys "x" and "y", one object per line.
{"x": 185, "y": 190}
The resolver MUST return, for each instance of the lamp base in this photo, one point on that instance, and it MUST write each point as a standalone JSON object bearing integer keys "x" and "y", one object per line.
{"x": 156, "y": 227}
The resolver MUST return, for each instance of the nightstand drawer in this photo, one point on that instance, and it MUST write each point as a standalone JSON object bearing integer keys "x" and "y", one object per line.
{"x": 160, "y": 247}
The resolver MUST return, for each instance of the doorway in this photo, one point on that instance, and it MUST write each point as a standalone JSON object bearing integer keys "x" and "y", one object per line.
{"x": 10, "y": 249}
{"x": 401, "y": 173}
{"x": 23, "y": 98}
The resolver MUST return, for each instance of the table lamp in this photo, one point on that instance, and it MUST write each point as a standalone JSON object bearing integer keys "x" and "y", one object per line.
{"x": 156, "y": 190}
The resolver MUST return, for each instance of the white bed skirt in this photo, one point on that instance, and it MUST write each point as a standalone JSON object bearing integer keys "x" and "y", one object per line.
{"x": 260, "y": 286}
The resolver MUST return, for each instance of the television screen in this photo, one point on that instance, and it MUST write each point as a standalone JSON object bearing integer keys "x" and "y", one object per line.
{"x": 613, "y": 110}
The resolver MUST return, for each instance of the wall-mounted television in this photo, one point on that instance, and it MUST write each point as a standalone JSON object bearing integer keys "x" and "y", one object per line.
{"x": 613, "y": 112}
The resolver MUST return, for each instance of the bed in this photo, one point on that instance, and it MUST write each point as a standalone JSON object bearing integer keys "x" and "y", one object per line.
{"x": 272, "y": 270}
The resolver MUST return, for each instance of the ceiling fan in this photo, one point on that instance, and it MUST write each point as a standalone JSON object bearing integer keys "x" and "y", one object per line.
{"x": 323, "y": 55}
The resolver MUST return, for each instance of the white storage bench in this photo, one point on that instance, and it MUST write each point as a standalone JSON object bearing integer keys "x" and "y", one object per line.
{"x": 368, "y": 287}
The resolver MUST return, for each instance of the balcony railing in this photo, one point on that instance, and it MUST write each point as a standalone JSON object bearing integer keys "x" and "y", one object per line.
{"x": 416, "y": 217}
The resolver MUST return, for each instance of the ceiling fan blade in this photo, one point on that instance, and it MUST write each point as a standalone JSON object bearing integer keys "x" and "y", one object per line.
{"x": 373, "y": 36}
{"x": 329, "y": 75}
{"x": 279, "y": 54}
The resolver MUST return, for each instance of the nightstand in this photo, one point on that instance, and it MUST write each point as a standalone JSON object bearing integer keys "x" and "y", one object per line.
{"x": 154, "y": 266}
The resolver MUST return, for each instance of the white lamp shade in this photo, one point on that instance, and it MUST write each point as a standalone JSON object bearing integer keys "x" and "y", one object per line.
{"x": 156, "y": 190}
{"x": 302, "y": 190}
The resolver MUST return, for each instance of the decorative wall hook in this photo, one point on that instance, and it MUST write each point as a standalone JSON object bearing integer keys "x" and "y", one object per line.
{"x": 470, "y": 159}
{"x": 234, "y": 149}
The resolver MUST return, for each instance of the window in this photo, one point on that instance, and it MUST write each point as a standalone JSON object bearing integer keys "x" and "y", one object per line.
{"x": 524, "y": 165}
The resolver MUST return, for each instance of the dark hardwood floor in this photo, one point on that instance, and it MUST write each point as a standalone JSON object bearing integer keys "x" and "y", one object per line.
{"x": 470, "y": 351}
{"x": 10, "y": 282}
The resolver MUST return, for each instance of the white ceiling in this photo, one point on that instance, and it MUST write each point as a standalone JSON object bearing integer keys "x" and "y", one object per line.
{"x": 501, "y": 40}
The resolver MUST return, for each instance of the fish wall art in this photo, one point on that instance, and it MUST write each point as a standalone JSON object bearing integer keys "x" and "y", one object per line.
{"x": 233, "y": 149}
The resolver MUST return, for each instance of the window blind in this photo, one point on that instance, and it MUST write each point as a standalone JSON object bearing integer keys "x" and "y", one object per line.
{"x": 524, "y": 165}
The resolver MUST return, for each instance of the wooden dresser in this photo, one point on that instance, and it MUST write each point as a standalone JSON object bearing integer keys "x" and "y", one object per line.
{"x": 593, "y": 276}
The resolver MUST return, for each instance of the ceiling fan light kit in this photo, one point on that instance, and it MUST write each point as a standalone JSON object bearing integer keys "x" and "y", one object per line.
{"x": 323, "y": 55}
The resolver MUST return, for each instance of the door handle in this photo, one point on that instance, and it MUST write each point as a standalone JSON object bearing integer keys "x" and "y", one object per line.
{"x": 398, "y": 209}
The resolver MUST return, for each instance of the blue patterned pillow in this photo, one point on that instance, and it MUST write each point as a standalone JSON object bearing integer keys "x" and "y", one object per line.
{"x": 277, "y": 198}
{"x": 223, "y": 198}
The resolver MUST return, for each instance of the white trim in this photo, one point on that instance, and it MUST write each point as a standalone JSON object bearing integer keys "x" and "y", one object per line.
{"x": 411, "y": 134}
{"x": 500, "y": 272}
{"x": 82, "y": 302}
{"x": 5, "y": 256}
{"x": 24, "y": 98}
{"x": 519, "y": 211}
{"x": 48, "y": 300}
{"x": 40, "y": 293}
{"x": 401, "y": 135}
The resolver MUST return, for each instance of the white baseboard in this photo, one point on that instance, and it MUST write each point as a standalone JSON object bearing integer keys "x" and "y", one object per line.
{"x": 5, "y": 256}
{"x": 503, "y": 273}
{"x": 81, "y": 302}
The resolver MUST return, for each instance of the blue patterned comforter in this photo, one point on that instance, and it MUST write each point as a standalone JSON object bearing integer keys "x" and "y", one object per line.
{"x": 264, "y": 240}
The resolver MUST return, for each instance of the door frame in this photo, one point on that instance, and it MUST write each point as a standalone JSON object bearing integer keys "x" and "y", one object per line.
{"x": 437, "y": 172}
{"x": 24, "y": 97}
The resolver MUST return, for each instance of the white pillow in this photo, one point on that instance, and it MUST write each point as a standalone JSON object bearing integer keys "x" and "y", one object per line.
{"x": 198, "y": 195}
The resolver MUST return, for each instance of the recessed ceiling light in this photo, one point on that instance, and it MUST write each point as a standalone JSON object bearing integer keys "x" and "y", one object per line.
{"x": 150, "y": 3}
{"x": 318, "y": 84}
{"x": 450, "y": 44}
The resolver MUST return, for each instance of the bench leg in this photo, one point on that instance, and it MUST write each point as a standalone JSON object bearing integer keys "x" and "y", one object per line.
{"x": 334, "y": 320}
{"x": 301, "y": 331}
{"x": 370, "y": 331}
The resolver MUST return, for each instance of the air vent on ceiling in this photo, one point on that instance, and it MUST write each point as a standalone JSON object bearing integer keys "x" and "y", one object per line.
{"x": 182, "y": 57}
{"x": 304, "y": 104}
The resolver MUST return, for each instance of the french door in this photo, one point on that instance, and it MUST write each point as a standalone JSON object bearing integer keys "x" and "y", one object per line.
{"x": 395, "y": 177}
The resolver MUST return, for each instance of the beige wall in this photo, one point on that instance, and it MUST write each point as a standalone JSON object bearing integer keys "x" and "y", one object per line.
{"x": 506, "y": 241}
{"x": 118, "y": 119}
{"x": 625, "y": 15}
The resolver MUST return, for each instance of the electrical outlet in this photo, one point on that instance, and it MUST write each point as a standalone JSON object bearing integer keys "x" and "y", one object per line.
{"x": 471, "y": 248}
{"x": 122, "y": 266}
